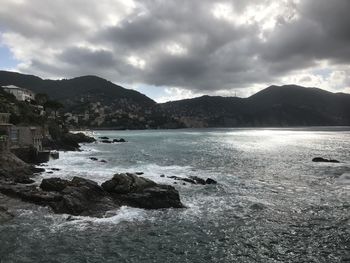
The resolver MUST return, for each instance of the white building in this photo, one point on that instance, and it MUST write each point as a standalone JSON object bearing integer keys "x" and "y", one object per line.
{"x": 21, "y": 94}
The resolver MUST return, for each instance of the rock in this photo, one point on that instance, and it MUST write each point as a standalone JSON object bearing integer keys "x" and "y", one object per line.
{"x": 103, "y": 161}
{"x": 103, "y": 138}
{"x": 119, "y": 140}
{"x": 210, "y": 181}
{"x": 54, "y": 184}
{"x": 5, "y": 215}
{"x": 194, "y": 180}
{"x": 50, "y": 172}
{"x": 23, "y": 180}
{"x": 158, "y": 197}
{"x": 37, "y": 169}
{"x": 93, "y": 158}
{"x": 198, "y": 180}
{"x": 67, "y": 141}
{"x": 139, "y": 173}
{"x": 106, "y": 141}
{"x": 162, "y": 175}
{"x": 85, "y": 197}
{"x": 78, "y": 137}
{"x": 323, "y": 160}
{"x": 127, "y": 183}
{"x": 12, "y": 167}
{"x": 140, "y": 192}
{"x": 55, "y": 169}
{"x": 29, "y": 193}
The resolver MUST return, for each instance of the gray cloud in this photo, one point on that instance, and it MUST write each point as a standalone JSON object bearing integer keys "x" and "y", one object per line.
{"x": 179, "y": 43}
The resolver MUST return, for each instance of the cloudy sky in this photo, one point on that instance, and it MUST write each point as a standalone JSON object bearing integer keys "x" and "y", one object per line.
{"x": 178, "y": 49}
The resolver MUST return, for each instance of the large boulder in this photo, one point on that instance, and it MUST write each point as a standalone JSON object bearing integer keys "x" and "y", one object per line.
{"x": 132, "y": 190}
{"x": 84, "y": 197}
{"x": 53, "y": 184}
{"x": 127, "y": 183}
{"x": 156, "y": 197}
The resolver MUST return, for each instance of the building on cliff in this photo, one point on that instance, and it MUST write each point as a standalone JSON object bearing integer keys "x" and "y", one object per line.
{"x": 21, "y": 94}
{"x": 26, "y": 137}
{"x": 5, "y": 131}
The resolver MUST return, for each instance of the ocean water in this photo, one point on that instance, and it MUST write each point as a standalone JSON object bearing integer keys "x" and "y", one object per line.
{"x": 271, "y": 203}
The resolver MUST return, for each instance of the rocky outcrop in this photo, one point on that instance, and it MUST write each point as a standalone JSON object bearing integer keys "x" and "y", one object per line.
{"x": 68, "y": 141}
{"x": 14, "y": 169}
{"x": 132, "y": 190}
{"x": 81, "y": 196}
{"x": 193, "y": 180}
{"x": 323, "y": 160}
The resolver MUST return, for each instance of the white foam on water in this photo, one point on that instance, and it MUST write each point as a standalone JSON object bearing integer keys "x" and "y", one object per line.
{"x": 344, "y": 179}
{"x": 115, "y": 217}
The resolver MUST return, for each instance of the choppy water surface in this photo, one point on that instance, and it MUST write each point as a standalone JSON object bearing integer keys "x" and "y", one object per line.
{"x": 272, "y": 204}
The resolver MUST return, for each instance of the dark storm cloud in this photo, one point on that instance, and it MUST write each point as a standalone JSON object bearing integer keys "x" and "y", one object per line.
{"x": 178, "y": 43}
{"x": 90, "y": 58}
{"x": 321, "y": 32}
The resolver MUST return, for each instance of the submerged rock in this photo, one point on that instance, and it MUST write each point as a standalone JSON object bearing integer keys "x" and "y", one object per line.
{"x": 104, "y": 138}
{"x": 323, "y": 160}
{"x": 93, "y": 158}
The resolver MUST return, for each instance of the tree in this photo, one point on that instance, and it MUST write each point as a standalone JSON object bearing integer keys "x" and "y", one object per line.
{"x": 41, "y": 98}
{"x": 53, "y": 105}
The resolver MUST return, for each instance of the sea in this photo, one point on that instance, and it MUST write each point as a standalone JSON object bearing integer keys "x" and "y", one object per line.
{"x": 271, "y": 202}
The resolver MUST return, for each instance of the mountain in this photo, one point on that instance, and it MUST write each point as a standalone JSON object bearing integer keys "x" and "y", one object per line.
{"x": 69, "y": 89}
{"x": 94, "y": 102}
{"x": 288, "y": 105}
{"x": 90, "y": 101}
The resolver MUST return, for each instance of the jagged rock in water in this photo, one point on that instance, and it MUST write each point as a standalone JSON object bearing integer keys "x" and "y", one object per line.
{"x": 193, "y": 180}
{"x": 119, "y": 140}
{"x": 103, "y": 138}
{"x": 93, "y": 158}
{"x": 140, "y": 192}
{"x": 84, "y": 197}
{"x": 323, "y": 160}
{"x": 210, "y": 181}
{"x": 127, "y": 183}
{"x": 106, "y": 141}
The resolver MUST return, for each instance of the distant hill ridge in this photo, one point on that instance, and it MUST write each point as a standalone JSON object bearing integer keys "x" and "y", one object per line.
{"x": 70, "y": 88}
{"x": 288, "y": 105}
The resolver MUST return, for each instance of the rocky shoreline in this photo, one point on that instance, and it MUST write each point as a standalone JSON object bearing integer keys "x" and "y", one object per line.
{"x": 80, "y": 196}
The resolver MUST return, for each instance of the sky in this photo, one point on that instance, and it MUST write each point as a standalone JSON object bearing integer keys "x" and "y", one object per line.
{"x": 179, "y": 49}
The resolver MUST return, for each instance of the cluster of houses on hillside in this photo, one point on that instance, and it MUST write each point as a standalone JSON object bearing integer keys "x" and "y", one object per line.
{"x": 17, "y": 138}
